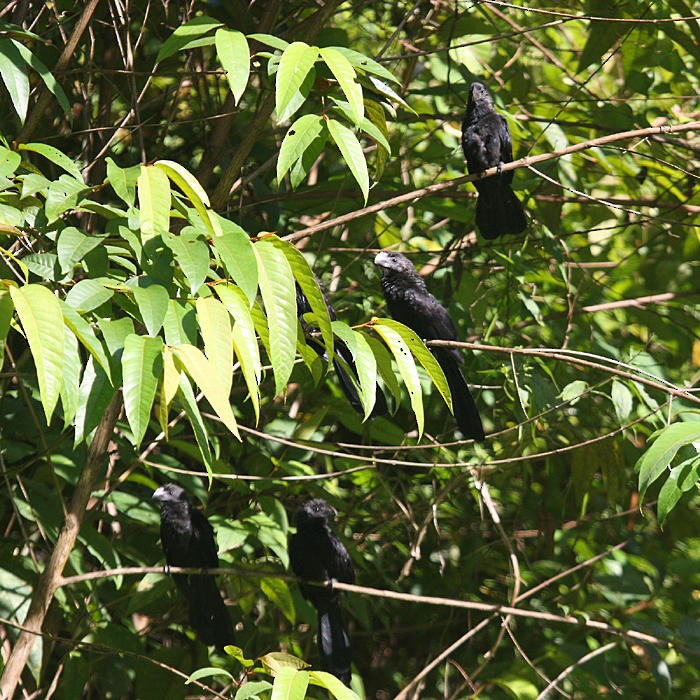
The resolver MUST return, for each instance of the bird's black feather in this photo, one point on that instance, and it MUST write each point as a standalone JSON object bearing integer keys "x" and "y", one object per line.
{"x": 486, "y": 144}
{"x": 412, "y": 304}
{"x": 188, "y": 541}
{"x": 316, "y": 554}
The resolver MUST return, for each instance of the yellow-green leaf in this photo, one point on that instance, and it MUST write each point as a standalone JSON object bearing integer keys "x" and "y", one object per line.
{"x": 234, "y": 54}
{"x": 153, "y": 189}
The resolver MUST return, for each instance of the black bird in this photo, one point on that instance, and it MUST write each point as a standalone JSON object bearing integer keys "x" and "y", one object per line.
{"x": 412, "y": 304}
{"x": 316, "y": 554}
{"x": 486, "y": 144}
{"x": 348, "y": 384}
{"x": 188, "y": 541}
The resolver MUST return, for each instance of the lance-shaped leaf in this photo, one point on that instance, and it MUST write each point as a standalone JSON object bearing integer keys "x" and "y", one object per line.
{"x": 215, "y": 326}
{"x": 334, "y": 685}
{"x": 192, "y": 256}
{"x": 234, "y": 54}
{"x": 189, "y": 401}
{"x": 386, "y": 371}
{"x": 364, "y": 64}
{"x": 123, "y": 181}
{"x": 5, "y": 321}
{"x": 73, "y": 245}
{"x": 245, "y": 341}
{"x": 192, "y": 360}
{"x": 189, "y": 184}
{"x": 297, "y": 60}
{"x": 186, "y": 34}
{"x": 344, "y": 73}
{"x": 153, "y": 305}
{"x": 38, "y": 311}
{"x": 142, "y": 368}
{"x": 95, "y": 394}
{"x": 14, "y": 73}
{"x": 168, "y": 388}
{"x": 298, "y": 138}
{"x": 423, "y": 355}
{"x": 309, "y": 285}
{"x": 84, "y": 332}
{"x": 351, "y": 151}
{"x": 407, "y": 368}
{"x": 667, "y": 441}
{"x": 236, "y": 251}
{"x": 365, "y": 364}
{"x": 71, "y": 378}
{"x": 278, "y": 293}
{"x": 154, "y": 201}
{"x": 290, "y": 684}
{"x": 56, "y": 157}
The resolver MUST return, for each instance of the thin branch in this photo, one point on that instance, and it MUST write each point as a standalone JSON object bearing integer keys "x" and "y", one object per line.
{"x": 521, "y": 163}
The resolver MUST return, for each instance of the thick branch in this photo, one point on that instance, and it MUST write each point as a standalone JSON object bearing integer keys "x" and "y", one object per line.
{"x": 50, "y": 578}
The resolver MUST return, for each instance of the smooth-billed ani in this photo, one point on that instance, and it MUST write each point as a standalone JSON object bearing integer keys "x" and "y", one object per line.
{"x": 348, "y": 384}
{"x": 316, "y": 554}
{"x": 188, "y": 541}
{"x": 486, "y": 144}
{"x": 412, "y": 304}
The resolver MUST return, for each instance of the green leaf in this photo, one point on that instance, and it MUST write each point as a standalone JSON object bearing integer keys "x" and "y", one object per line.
{"x": 269, "y": 40}
{"x": 9, "y": 162}
{"x": 71, "y": 378}
{"x": 234, "y": 54}
{"x": 344, "y": 73}
{"x": 681, "y": 479}
{"x": 62, "y": 196}
{"x": 45, "y": 74}
{"x": 73, "y": 245}
{"x": 573, "y": 391}
{"x": 153, "y": 305}
{"x": 290, "y": 684}
{"x": 351, "y": 151}
{"x": 296, "y": 62}
{"x": 38, "y": 311}
{"x": 245, "y": 341}
{"x": 86, "y": 335}
{"x": 6, "y": 309}
{"x": 13, "y": 71}
{"x": 252, "y": 689}
{"x": 192, "y": 360}
{"x": 275, "y": 661}
{"x": 189, "y": 184}
{"x": 142, "y": 368}
{"x": 123, "y": 181}
{"x": 656, "y": 460}
{"x": 309, "y": 285}
{"x": 215, "y": 325}
{"x": 364, "y": 362}
{"x": 278, "y": 293}
{"x": 56, "y": 157}
{"x": 236, "y": 251}
{"x": 424, "y": 356}
{"x": 277, "y": 591}
{"x": 95, "y": 394}
{"x": 622, "y": 401}
{"x": 88, "y": 294}
{"x": 407, "y": 368}
{"x": 386, "y": 372}
{"x": 300, "y": 135}
{"x": 154, "y": 200}
{"x": 182, "y": 36}
{"x": 208, "y": 672}
{"x": 365, "y": 64}
{"x": 336, "y": 687}
{"x": 191, "y": 254}
{"x": 189, "y": 402}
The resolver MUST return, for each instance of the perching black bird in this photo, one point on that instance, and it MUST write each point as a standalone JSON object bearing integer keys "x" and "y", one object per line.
{"x": 486, "y": 144}
{"x": 412, "y": 304}
{"x": 188, "y": 541}
{"x": 347, "y": 384}
{"x": 316, "y": 554}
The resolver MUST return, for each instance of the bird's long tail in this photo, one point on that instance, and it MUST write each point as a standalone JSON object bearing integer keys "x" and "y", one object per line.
{"x": 498, "y": 210}
{"x": 465, "y": 410}
{"x": 208, "y": 614}
{"x": 333, "y": 641}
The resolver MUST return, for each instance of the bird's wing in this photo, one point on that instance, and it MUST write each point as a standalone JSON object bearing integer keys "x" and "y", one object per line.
{"x": 203, "y": 542}
{"x": 506, "y": 144}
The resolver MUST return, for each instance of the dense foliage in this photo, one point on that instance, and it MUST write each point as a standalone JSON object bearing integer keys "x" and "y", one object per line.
{"x": 168, "y": 172}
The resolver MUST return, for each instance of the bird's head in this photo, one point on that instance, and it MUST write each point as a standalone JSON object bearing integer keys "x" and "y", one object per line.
{"x": 170, "y": 493}
{"x": 391, "y": 260}
{"x": 478, "y": 94}
{"x": 315, "y": 511}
